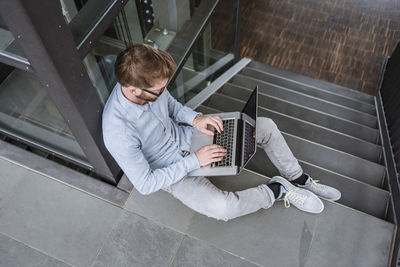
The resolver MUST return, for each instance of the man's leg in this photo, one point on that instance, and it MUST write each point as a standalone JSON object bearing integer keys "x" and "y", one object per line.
{"x": 271, "y": 139}
{"x": 199, "y": 194}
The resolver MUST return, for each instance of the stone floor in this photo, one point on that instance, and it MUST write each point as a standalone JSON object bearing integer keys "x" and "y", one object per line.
{"x": 46, "y": 222}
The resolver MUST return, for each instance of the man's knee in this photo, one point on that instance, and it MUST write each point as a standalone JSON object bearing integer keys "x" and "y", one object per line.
{"x": 265, "y": 127}
{"x": 219, "y": 209}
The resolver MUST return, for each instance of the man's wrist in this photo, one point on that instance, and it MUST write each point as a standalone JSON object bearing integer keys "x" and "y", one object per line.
{"x": 195, "y": 118}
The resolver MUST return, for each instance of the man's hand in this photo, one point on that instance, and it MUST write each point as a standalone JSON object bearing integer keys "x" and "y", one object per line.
{"x": 202, "y": 124}
{"x": 209, "y": 154}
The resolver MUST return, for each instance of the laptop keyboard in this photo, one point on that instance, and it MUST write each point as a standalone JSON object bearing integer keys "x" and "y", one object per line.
{"x": 249, "y": 142}
{"x": 225, "y": 139}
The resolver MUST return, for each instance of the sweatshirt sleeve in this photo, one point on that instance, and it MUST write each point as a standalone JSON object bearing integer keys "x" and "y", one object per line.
{"x": 179, "y": 112}
{"x": 146, "y": 180}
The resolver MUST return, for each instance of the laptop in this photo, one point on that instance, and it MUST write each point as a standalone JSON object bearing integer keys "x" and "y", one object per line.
{"x": 238, "y": 138}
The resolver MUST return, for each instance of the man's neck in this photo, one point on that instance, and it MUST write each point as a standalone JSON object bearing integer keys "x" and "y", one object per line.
{"x": 132, "y": 98}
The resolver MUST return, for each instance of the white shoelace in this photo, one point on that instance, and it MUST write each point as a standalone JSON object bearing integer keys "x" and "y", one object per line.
{"x": 295, "y": 197}
{"x": 316, "y": 185}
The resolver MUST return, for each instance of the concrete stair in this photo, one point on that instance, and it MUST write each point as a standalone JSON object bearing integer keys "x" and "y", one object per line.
{"x": 333, "y": 131}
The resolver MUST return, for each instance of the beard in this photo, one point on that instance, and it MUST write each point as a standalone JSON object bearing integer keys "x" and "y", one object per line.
{"x": 144, "y": 97}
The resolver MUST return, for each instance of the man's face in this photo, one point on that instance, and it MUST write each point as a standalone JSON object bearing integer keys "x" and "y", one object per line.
{"x": 159, "y": 87}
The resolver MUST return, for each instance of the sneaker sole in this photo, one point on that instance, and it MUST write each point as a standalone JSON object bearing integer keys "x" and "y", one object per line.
{"x": 328, "y": 199}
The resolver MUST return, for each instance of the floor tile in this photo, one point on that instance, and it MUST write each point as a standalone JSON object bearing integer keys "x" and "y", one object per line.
{"x": 196, "y": 253}
{"x": 10, "y": 175}
{"x": 161, "y": 207}
{"x": 125, "y": 184}
{"x": 136, "y": 241}
{"x": 345, "y": 237}
{"x": 273, "y": 237}
{"x": 58, "y": 220}
{"x": 62, "y": 173}
{"x": 14, "y": 253}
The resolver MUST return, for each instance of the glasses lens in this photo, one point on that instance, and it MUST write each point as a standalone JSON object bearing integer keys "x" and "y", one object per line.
{"x": 156, "y": 94}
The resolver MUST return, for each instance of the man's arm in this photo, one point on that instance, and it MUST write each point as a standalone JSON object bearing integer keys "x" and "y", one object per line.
{"x": 179, "y": 112}
{"x": 184, "y": 114}
{"x": 130, "y": 158}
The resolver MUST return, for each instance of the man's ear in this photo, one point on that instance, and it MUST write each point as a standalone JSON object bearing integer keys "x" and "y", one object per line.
{"x": 132, "y": 90}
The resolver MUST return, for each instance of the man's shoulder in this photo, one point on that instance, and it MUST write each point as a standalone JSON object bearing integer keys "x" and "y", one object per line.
{"x": 113, "y": 117}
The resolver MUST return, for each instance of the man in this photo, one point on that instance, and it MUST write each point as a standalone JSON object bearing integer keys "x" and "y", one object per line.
{"x": 141, "y": 132}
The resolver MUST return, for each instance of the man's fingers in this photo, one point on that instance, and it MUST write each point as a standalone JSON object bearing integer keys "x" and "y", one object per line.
{"x": 206, "y": 121}
{"x": 213, "y": 121}
{"x": 216, "y": 147}
{"x": 213, "y": 147}
{"x": 219, "y": 122}
{"x": 207, "y": 132}
{"x": 218, "y": 154}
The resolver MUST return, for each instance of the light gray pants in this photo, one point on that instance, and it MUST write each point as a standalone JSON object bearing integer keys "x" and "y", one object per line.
{"x": 199, "y": 194}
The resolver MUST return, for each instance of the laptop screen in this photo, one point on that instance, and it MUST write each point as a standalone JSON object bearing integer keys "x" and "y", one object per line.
{"x": 250, "y": 109}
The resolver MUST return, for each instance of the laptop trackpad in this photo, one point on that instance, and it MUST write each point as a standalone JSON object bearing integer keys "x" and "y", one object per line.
{"x": 199, "y": 140}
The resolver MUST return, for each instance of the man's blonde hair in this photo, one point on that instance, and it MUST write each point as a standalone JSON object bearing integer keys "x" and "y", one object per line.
{"x": 141, "y": 66}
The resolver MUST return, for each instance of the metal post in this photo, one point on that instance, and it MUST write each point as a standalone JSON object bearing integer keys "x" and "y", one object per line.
{"x": 236, "y": 48}
{"x": 48, "y": 44}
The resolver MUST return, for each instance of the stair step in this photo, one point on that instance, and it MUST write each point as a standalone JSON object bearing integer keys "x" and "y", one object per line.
{"x": 310, "y": 81}
{"x": 304, "y": 129}
{"x": 336, "y": 161}
{"x": 329, "y": 158}
{"x": 302, "y": 112}
{"x": 206, "y": 109}
{"x": 300, "y": 98}
{"x": 310, "y": 90}
{"x": 355, "y": 194}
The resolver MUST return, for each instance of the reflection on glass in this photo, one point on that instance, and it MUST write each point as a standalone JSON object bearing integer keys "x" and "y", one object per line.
{"x": 27, "y": 112}
{"x": 8, "y": 45}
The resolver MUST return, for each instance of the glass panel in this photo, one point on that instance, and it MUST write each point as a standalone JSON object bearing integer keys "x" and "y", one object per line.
{"x": 70, "y": 8}
{"x": 28, "y": 113}
{"x": 154, "y": 22}
{"x": 99, "y": 62}
{"x": 8, "y": 45}
{"x": 212, "y": 54}
{"x": 206, "y": 62}
{"x": 174, "y": 31}
{"x": 161, "y": 20}
{"x": 84, "y": 15}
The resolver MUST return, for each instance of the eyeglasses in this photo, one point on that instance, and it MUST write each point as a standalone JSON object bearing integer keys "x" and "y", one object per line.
{"x": 150, "y": 92}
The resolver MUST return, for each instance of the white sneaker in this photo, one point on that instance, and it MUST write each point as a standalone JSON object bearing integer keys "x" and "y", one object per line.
{"x": 300, "y": 198}
{"x": 324, "y": 191}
